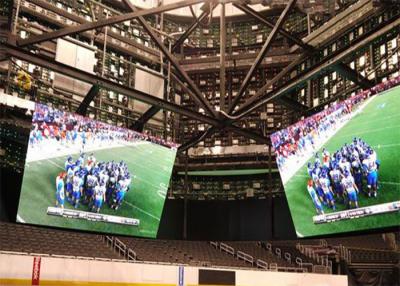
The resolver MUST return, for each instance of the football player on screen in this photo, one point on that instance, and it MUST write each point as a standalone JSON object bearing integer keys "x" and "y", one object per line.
{"x": 336, "y": 177}
{"x": 91, "y": 183}
{"x": 350, "y": 188}
{"x": 327, "y": 189}
{"x": 99, "y": 196}
{"x": 371, "y": 170}
{"x": 77, "y": 188}
{"x": 314, "y": 197}
{"x": 60, "y": 194}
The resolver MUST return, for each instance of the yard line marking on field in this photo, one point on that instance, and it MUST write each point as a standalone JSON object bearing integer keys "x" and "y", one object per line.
{"x": 378, "y": 120}
{"x": 147, "y": 182}
{"x": 141, "y": 210}
{"x": 367, "y": 131}
{"x": 55, "y": 164}
{"x": 389, "y": 183}
{"x": 20, "y": 219}
{"x": 386, "y": 145}
{"x": 302, "y": 176}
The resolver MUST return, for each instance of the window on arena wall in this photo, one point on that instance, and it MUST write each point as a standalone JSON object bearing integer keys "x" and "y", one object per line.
{"x": 383, "y": 49}
{"x": 360, "y": 30}
{"x": 326, "y": 93}
{"x": 394, "y": 43}
{"x": 362, "y": 61}
{"x": 395, "y": 59}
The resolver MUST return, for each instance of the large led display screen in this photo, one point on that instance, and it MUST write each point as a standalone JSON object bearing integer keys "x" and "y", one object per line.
{"x": 88, "y": 175}
{"x": 341, "y": 167}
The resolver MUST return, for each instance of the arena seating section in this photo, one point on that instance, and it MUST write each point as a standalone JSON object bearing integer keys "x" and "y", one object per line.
{"x": 188, "y": 252}
{"x": 256, "y": 250}
{"x": 30, "y": 239}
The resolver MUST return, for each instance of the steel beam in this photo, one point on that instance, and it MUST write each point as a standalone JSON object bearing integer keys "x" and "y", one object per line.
{"x": 48, "y": 63}
{"x": 190, "y": 30}
{"x": 104, "y": 22}
{"x": 260, "y": 98}
{"x": 261, "y": 55}
{"x": 222, "y": 47}
{"x": 197, "y": 96}
{"x": 354, "y": 76}
{"x": 294, "y": 104}
{"x": 282, "y": 31}
{"x": 340, "y": 67}
{"x": 196, "y": 139}
{"x": 92, "y": 93}
{"x": 250, "y": 101}
{"x": 138, "y": 125}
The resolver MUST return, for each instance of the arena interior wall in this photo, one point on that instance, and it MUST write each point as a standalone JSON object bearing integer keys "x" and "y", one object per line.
{"x": 20, "y": 270}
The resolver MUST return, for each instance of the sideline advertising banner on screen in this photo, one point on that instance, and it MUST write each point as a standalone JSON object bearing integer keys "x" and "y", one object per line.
{"x": 84, "y": 174}
{"x": 340, "y": 167}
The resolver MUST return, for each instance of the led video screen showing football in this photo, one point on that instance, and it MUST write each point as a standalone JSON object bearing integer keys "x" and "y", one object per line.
{"x": 84, "y": 174}
{"x": 340, "y": 168}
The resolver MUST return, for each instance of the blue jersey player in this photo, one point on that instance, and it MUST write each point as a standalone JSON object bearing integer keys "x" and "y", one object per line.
{"x": 77, "y": 183}
{"x": 314, "y": 197}
{"x": 70, "y": 175}
{"x": 371, "y": 170}
{"x": 350, "y": 188}
{"x": 69, "y": 164}
{"x": 121, "y": 189}
{"x": 99, "y": 196}
{"x": 91, "y": 183}
{"x": 336, "y": 177}
{"x": 327, "y": 189}
{"x": 310, "y": 169}
{"x": 357, "y": 173}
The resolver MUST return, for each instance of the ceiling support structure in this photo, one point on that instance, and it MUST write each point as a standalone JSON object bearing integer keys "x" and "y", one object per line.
{"x": 196, "y": 139}
{"x": 281, "y": 30}
{"x": 104, "y": 22}
{"x": 198, "y": 97}
{"x": 261, "y": 55}
{"x": 138, "y": 125}
{"x": 292, "y": 103}
{"x": 222, "y": 48}
{"x": 260, "y": 98}
{"x": 340, "y": 67}
{"x": 92, "y": 93}
{"x": 354, "y": 76}
{"x": 43, "y": 61}
{"x": 191, "y": 28}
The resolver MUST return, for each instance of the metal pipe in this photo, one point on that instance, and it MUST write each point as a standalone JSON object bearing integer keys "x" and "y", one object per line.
{"x": 222, "y": 46}
{"x": 14, "y": 29}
